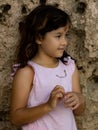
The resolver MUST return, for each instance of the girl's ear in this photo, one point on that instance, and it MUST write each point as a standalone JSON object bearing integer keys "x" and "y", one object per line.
{"x": 39, "y": 39}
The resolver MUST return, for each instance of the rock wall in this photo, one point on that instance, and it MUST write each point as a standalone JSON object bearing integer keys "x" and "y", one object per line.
{"x": 83, "y": 46}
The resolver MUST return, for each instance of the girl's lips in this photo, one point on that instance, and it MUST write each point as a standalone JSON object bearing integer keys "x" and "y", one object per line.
{"x": 61, "y": 49}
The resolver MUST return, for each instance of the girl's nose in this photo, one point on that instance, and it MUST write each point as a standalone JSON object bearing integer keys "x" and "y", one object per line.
{"x": 64, "y": 41}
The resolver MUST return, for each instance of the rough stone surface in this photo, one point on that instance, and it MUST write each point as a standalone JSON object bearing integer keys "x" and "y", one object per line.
{"x": 83, "y": 46}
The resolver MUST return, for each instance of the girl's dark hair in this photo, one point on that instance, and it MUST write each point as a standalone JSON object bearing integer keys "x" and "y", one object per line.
{"x": 41, "y": 20}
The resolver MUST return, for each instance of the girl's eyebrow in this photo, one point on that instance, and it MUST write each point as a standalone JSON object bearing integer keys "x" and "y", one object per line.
{"x": 59, "y": 33}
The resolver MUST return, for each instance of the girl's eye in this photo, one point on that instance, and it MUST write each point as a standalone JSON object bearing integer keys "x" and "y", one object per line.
{"x": 58, "y": 36}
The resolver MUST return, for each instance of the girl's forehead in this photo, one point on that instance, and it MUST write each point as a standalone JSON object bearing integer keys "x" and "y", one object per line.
{"x": 61, "y": 29}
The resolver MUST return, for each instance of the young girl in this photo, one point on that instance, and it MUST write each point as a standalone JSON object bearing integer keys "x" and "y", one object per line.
{"x": 46, "y": 90}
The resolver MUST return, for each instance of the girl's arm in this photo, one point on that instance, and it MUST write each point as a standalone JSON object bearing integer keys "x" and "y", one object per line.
{"x": 80, "y": 98}
{"x": 21, "y": 87}
{"x": 75, "y": 100}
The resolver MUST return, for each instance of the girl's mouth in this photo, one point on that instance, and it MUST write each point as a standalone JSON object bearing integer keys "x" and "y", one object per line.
{"x": 62, "y": 49}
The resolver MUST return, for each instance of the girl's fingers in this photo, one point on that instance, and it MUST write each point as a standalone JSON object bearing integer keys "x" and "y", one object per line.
{"x": 60, "y": 88}
{"x": 68, "y": 100}
{"x": 56, "y": 95}
{"x": 54, "y": 99}
{"x": 57, "y": 89}
{"x": 71, "y": 100}
{"x": 72, "y": 105}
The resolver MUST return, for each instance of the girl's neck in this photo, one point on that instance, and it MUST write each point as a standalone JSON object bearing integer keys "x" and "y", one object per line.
{"x": 46, "y": 61}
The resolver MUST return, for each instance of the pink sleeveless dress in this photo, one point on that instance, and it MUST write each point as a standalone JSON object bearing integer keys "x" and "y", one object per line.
{"x": 45, "y": 79}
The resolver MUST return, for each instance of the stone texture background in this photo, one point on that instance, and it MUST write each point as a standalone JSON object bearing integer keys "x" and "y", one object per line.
{"x": 83, "y": 46}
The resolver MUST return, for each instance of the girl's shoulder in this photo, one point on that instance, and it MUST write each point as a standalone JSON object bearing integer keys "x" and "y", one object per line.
{"x": 70, "y": 63}
{"x": 21, "y": 72}
{"x": 27, "y": 70}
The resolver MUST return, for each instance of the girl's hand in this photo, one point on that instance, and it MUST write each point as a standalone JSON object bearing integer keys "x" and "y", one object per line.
{"x": 73, "y": 100}
{"x": 56, "y": 95}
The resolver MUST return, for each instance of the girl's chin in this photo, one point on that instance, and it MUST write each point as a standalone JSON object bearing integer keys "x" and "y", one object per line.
{"x": 59, "y": 56}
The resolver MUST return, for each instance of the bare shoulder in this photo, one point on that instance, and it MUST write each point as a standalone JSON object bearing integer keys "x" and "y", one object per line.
{"x": 76, "y": 80}
{"x": 23, "y": 79}
{"x": 21, "y": 86}
{"x": 24, "y": 73}
{"x": 76, "y": 71}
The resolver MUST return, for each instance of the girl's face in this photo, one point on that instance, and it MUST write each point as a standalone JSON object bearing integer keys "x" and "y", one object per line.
{"x": 54, "y": 43}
